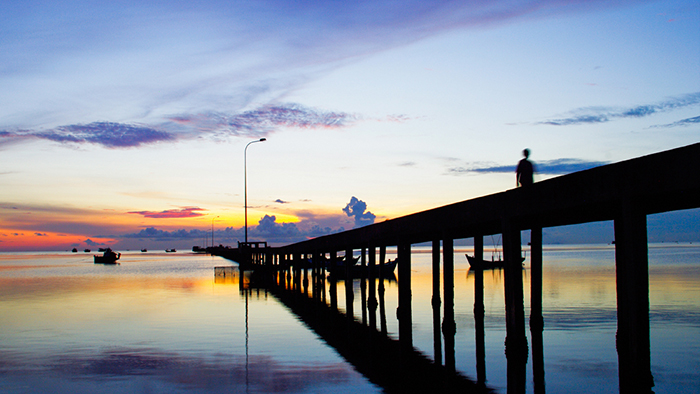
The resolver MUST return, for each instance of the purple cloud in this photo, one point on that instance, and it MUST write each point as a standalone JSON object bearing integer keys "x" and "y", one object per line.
{"x": 265, "y": 120}
{"x": 107, "y": 134}
{"x": 256, "y": 122}
{"x": 186, "y": 212}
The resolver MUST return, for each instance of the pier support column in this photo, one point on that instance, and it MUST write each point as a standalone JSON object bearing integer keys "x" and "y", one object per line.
{"x": 381, "y": 290}
{"x": 632, "y": 273}
{"x": 536, "y": 319}
{"x": 349, "y": 293}
{"x": 449, "y": 327}
{"x": 516, "y": 341}
{"x": 333, "y": 289}
{"x": 308, "y": 262}
{"x": 436, "y": 303}
{"x": 479, "y": 312}
{"x": 404, "y": 313}
{"x": 372, "y": 302}
{"x": 363, "y": 285}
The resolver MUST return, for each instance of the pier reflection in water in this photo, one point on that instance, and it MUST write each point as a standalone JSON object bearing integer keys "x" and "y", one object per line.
{"x": 165, "y": 323}
{"x": 570, "y": 343}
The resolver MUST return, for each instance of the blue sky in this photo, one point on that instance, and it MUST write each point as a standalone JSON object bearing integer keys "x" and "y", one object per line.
{"x": 129, "y": 116}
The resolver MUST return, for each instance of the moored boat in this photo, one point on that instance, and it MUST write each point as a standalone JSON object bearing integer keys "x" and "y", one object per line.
{"x": 109, "y": 257}
{"x": 487, "y": 264}
{"x": 357, "y": 271}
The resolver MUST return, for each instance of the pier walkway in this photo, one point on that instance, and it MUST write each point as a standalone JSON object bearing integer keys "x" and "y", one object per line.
{"x": 624, "y": 192}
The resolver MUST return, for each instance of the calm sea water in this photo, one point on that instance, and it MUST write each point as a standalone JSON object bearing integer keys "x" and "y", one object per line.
{"x": 162, "y": 323}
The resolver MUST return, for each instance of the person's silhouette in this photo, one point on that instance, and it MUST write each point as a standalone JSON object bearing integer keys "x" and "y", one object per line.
{"x": 524, "y": 174}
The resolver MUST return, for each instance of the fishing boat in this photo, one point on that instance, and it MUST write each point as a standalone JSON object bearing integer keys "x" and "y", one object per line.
{"x": 170, "y": 250}
{"x": 487, "y": 264}
{"x": 109, "y": 257}
{"x": 357, "y": 271}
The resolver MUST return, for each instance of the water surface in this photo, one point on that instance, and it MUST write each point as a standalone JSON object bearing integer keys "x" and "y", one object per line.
{"x": 161, "y": 323}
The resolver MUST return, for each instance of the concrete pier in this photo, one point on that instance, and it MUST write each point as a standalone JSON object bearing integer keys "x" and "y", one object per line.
{"x": 624, "y": 192}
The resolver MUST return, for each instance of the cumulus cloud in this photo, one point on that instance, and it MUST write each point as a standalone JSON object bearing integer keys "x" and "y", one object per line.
{"x": 358, "y": 209}
{"x": 607, "y": 114}
{"x": 186, "y": 212}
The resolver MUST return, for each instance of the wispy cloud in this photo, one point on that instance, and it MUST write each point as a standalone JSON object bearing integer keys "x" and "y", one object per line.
{"x": 682, "y": 122}
{"x": 103, "y": 63}
{"x": 549, "y": 167}
{"x": 186, "y": 212}
{"x": 266, "y": 119}
{"x": 109, "y": 134}
{"x": 607, "y": 114}
{"x": 253, "y": 123}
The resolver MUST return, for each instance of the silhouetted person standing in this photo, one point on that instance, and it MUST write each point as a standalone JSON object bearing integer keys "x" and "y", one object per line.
{"x": 524, "y": 174}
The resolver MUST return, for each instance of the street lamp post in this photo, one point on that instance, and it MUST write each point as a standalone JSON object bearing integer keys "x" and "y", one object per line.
{"x": 245, "y": 183}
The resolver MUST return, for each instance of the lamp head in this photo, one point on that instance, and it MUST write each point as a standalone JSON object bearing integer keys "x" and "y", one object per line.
{"x": 263, "y": 139}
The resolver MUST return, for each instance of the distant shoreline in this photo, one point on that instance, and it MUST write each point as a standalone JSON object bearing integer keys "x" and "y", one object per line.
{"x": 420, "y": 248}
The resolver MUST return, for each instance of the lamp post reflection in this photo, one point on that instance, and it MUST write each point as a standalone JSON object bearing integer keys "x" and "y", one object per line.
{"x": 245, "y": 183}
{"x": 212, "y": 231}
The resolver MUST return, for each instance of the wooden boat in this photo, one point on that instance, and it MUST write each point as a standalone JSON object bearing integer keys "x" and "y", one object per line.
{"x": 144, "y": 250}
{"x": 170, "y": 250}
{"x": 109, "y": 257}
{"x": 75, "y": 250}
{"x": 357, "y": 271}
{"x": 487, "y": 264}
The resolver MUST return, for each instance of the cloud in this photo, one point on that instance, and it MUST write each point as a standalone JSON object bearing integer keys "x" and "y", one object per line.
{"x": 186, "y": 212}
{"x": 268, "y": 228}
{"x": 161, "y": 235}
{"x": 280, "y": 201}
{"x": 607, "y": 114}
{"x": 103, "y": 63}
{"x": 682, "y": 122}
{"x": 265, "y": 119}
{"x": 252, "y": 123}
{"x": 549, "y": 167}
{"x": 108, "y": 134}
{"x": 358, "y": 209}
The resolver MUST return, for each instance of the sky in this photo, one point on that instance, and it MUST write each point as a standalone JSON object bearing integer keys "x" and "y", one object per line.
{"x": 131, "y": 124}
